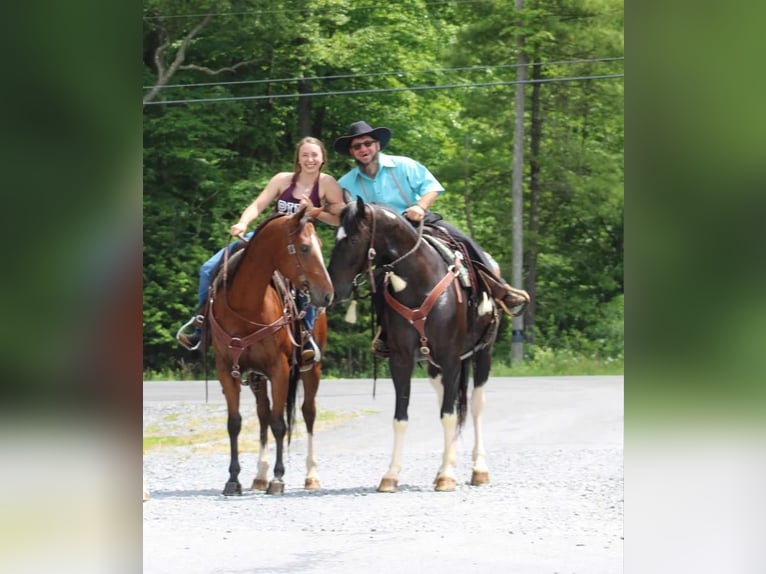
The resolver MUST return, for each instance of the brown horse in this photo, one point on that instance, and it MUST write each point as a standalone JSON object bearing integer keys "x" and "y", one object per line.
{"x": 427, "y": 316}
{"x": 252, "y": 334}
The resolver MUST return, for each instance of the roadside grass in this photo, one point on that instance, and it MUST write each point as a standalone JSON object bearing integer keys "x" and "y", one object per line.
{"x": 205, "y": 432}
{"x": 561, "y": 364}
{"x": 539, "y": 361}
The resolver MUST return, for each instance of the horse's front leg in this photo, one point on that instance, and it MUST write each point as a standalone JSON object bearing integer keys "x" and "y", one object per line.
{"x": 401, "y": 372}
{"x": 233, "y": 426}
{"x": 259, "y": 386}
{"x": 279, "y": 382}
{"x": 310, "y": 388}
{"x": 446, "y": 480}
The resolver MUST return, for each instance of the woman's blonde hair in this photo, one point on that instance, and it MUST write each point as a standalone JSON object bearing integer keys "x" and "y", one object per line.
{"x": 309, "y": 140}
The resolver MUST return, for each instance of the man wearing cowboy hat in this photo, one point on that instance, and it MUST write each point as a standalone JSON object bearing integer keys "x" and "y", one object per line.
{"x": 408, "y": 187}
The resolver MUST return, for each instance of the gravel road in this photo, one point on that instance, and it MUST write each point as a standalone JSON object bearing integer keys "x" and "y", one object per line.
{"x": 554, "y": 504}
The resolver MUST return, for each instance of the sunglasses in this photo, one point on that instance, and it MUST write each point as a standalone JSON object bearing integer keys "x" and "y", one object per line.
{"x": 358, "y": 146}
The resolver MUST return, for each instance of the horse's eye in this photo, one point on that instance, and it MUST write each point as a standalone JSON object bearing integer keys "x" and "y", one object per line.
{"x": 305, "y": 249}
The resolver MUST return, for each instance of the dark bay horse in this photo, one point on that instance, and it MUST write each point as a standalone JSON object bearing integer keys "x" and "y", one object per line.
{"x": 252, "y": 335}
{"x": 427, "y": 316}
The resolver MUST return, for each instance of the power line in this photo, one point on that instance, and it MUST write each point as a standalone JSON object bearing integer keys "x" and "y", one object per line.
{"x": 293, "y": 10}
{"x": 356, "y": 9}
{"x": 382, "y": 90}
{"x": 395, "y": 73}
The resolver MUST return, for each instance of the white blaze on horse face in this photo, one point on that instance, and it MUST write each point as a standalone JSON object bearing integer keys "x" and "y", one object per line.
{"x": 317, "y": 249}
{"x": 315, "y": 246}
{"x": 341, "y": 234}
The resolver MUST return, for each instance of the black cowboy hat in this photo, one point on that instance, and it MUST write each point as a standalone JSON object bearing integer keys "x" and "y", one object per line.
{"x": 358, "y": 129}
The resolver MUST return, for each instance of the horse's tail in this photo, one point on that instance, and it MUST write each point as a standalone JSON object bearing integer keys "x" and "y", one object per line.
{"x": 292, "y": 392}
{"x": 462, "y": 392}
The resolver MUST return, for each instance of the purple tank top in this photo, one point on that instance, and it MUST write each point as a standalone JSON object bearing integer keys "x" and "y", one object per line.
{"x": 286, "y": 203}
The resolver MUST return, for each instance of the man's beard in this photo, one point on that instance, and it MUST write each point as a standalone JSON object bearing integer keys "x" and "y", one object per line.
{"x": 363, "y": 166}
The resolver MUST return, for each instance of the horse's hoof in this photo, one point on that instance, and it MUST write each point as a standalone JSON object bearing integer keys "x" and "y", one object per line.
{"x": 259, "y": 484}
{"x": 276, "y": 487}
{"x": 312, "y": 484}
{"x": 445, "y": 484}
{"x": 388, "y": 485}
{"x": 232, "y": 488}
{"x": 479, "y": 477}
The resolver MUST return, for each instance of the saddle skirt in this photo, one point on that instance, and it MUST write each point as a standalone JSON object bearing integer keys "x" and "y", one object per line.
{"x": 473, "y": 275}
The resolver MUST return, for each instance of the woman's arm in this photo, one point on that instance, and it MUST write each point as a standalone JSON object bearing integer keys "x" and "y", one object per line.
{"x": 331, "y": 198}
{"x": 264, "y": 199}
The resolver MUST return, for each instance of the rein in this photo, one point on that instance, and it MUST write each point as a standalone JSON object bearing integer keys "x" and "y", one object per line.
{"x": 371, "y": 253}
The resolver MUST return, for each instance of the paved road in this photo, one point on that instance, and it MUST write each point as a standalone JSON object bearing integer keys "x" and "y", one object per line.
{"x": 554, "y": 504}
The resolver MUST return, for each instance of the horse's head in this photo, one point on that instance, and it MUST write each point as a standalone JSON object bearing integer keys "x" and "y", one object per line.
{"x": 299, "y": 258}
{"x": 352, "y": 247}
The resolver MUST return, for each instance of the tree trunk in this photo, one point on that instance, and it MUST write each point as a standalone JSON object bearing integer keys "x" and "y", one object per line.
{"x": 467, "y": 191}
{"x": 517, "y": 196}
{"x": 536, "y": 134}
{"x": 304, "y": 108}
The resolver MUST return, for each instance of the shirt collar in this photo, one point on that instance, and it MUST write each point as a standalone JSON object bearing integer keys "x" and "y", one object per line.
{"x": 385, "y": 160}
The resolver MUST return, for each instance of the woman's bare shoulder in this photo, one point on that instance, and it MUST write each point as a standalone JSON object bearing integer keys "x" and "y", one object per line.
{"x": 283, "y": 176}
{"x": 326, "y": 178}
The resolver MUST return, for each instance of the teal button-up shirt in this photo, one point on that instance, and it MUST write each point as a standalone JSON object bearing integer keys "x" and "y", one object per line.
{"x": 413, "y": 179}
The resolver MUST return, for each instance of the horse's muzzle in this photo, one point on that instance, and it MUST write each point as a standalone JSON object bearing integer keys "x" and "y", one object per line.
{"x": 342, "y": 292}
{"x": 320, "y": 297}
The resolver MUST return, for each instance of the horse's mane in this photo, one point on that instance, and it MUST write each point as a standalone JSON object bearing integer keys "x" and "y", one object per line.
{"x": 348, "y": 217}
{"x": 268, "y": 220}
{"x": 240, "y": 252}
{"x": 351, "y": 221}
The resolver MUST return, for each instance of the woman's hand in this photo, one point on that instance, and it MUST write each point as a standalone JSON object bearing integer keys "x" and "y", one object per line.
{"x": 238, "y": 229}
{"x": 306, "y": 202}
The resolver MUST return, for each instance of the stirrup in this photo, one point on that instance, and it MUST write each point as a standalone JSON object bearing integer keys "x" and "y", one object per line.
{"x": 310, "y": 354}
{"x": 516, "y": 310}
{"x": 196, "y": 321}
{"x": 378, "y": 346}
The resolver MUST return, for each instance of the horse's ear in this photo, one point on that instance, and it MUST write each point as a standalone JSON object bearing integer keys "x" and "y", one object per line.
{"x": 301, "y": 211}
{"x": 347, "y": 197}
{"x": 313, "y": 213}
{"x": 360, "y": 204}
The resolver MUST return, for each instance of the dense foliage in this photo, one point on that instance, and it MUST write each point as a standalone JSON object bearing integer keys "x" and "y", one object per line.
{"x": 248, "y": 62}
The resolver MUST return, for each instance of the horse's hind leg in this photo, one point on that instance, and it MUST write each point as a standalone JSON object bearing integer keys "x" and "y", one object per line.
{"x": 480, "y": 471}
{"x": 261, "y": 392}
{"x": 310, "y": 388}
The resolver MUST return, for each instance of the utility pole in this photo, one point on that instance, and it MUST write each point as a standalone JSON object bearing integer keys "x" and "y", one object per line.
{"x": 517, "y": 278}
